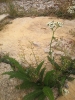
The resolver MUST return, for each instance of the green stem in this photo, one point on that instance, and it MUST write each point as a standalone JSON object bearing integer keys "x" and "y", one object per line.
{"x": 34, "y": 55}
{"x": 51, "y": 43}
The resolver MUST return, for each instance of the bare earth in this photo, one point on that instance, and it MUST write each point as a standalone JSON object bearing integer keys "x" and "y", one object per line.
{"x": 16, "y": 39}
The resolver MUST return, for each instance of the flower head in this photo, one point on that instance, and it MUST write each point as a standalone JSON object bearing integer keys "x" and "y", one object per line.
{"x": 51, "y": 24}
{"x": 54, "y": 25}
{"x": 65, "y": 91}
{"x": 59, "y": 24}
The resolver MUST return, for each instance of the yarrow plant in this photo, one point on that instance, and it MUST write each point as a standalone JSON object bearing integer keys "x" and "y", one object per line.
{"x": 53, "y": 26}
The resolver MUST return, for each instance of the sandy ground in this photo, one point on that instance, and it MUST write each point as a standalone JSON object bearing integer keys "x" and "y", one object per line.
{"x": 16, "y": 39}
{"x": 22, "y": 31}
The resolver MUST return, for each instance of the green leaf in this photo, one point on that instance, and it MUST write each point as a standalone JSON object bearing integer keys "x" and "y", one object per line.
{"x": 42, "y": 74}
{"x": 59, "y": 86}
{"x": 26, "y": 85}
{"x": 41, "y": 96}
{"x": 57, "y": 67}
{"x": 48, "y": 92}
{"x": 37, "y": 70}
{"x": 62, "y": 80}
{"x": 60, "y": 90}
{"x": 32, "y": 95}
{"x": 14, "y": 63}
{"x": 17, "y": 74}
{"x": 48, "y": 76}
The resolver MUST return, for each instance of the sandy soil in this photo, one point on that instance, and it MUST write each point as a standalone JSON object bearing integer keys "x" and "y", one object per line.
{"x": 15, "y": 39}
{"x": 25, "y": 30}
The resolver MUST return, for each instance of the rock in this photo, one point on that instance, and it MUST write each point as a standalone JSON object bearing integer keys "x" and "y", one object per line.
{"x": 53, "y": 44}
{"x": 59, "y": 53}
{"x": 36, "y": 44}
{"x": 3, "y": 16}
{"x": 66, "y": 86}
{"x": 46, "y": 50}
{"x": 28, "y": 4}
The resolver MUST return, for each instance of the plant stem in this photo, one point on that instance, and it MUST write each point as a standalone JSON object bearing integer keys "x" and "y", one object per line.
{"x": 34, "y": 54}
{"x": 51, "y": 43}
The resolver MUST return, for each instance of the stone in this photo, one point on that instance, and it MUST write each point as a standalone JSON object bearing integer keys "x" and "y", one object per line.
{"x": 59, "y": 53}
{"x": 3, "y": 16}
{"x": 36, "y": 44}
{"x": 27, "y": 4}
{"x": 66, "y": 86}
{"x": 46, "y": 50}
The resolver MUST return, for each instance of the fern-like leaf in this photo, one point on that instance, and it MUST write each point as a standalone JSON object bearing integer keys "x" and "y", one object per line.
{"x": 17, "y": 74}
{"x": 42, "y": 74}
{"x": 26, "y": 85}
{"x": 41, "y": 96}
{"x": 32, "y": 95}
{"x": 14, "y": 63}
{"x": 48, "y": 92}
{"x": 49, "y": 77}
{"x": 37, "y": 70}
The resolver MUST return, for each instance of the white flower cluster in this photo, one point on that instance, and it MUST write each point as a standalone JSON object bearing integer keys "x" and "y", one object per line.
{"x": 65, "y": 91}
{"x": 53, "y": 24}
{"x": 71, "y": 9}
